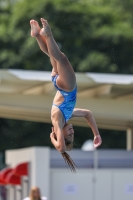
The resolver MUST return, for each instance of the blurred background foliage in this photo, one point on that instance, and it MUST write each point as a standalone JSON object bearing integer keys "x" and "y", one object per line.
{"x": 96, "y": 36}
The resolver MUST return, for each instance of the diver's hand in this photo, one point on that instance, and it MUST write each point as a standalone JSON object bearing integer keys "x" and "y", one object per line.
{"x": 97, "y": 141}
{"x": 58, "y": 140}
{"x": 52, "y": 134}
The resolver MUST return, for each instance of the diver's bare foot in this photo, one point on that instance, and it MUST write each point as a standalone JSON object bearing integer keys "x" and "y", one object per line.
{"x": 45, "y": 31}
{"x": 35, "y": 28}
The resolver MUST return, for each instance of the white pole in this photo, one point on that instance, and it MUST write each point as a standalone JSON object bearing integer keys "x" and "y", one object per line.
{"x": 130, "y": 139}
{"x": 95, "y": 161}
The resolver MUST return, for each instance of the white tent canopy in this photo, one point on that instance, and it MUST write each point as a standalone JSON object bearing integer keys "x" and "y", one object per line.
{"x": 28, "y": 95}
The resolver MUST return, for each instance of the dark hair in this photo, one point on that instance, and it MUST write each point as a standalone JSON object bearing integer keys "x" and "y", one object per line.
{"x": 69, "y": 161}
{"x": 67, "y": 158}
{"x": 69, "y": 145}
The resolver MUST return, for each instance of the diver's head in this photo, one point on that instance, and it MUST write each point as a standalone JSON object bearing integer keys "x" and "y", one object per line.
{"x": 68, "y": 132}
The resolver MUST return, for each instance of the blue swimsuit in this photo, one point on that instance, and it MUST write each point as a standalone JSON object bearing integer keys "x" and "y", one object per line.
{"x": 67, "y": 106}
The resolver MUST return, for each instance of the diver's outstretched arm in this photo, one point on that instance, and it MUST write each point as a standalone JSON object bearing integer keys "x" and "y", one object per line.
{"x": 87, "y": 114}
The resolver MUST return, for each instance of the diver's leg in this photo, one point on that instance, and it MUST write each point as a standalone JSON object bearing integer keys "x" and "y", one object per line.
{"x": 35, "y": 32}
{"x": 66, "y": 79}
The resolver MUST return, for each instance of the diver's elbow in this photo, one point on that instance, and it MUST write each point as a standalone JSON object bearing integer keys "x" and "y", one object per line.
{"x": 61, "y": 149}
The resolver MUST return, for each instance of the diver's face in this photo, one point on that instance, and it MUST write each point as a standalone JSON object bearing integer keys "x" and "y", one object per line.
{"x": 68, "y": 132}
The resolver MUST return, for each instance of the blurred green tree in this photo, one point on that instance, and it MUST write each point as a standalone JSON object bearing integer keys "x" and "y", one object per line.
{"x": 17, "y": 134}
{"x": 95, "y": 35}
